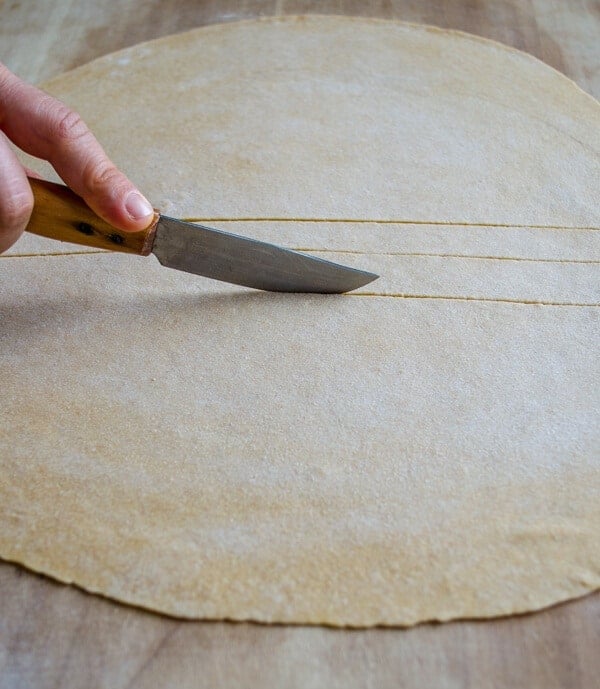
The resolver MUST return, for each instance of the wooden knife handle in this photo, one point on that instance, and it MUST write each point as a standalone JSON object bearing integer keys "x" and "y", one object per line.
{"x": 60, "y": 214}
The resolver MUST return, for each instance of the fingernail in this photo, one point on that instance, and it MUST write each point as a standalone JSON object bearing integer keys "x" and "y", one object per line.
{"x": 137, "y": 206}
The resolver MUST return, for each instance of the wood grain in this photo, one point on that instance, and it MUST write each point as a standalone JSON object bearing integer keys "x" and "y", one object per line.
{"x": 53, "y": 635}
{"x": 58, "y": 636}
{"x": 60, "y": 214}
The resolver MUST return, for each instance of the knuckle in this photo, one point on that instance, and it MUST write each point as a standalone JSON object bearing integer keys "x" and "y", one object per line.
{"x": 62, "y": 125}
{"x": 100, "y": 176}
{"x": 104, "y": 181}
{"x": 69, "y": 125}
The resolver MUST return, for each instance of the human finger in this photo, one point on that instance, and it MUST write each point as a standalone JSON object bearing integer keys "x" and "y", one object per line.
{"x": 16, "y": 197}
{"x": 46, "y": 128}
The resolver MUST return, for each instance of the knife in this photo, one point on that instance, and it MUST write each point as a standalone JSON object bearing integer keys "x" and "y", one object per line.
{"x": 60, "y": 214}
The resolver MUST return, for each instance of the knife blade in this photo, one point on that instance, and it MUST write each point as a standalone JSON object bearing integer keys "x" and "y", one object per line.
{"x": 62, "y": 215}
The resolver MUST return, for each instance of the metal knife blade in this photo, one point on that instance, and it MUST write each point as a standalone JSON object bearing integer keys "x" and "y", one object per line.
{"x": 243, "y": 261}
{"x": 60, "y": 214}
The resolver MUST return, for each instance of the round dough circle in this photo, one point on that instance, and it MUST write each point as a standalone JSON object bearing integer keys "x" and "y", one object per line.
{"x": 428, "y": 450}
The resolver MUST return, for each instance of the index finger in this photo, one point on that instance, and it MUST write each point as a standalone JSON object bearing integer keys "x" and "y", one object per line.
{"x": 46, "y": 128}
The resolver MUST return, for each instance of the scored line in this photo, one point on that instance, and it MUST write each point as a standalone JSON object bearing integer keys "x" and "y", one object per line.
{"x": 436, "y": 255}
{"x": 59, "y": 253}
{"x": 500, "y": 300}
{"x": 390, "y": 295}
{"x": 363, "y": 221}
{"x": 416, "y": 254}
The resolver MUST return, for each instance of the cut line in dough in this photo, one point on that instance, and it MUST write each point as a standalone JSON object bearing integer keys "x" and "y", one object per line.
{"x": 434, "y": 255}
{"x": 459, "y": 240}
{"x": 355, "y": 253}
{"x": 53, "y": 253}
{"x": 374, "y": 221}
{"x": 535, "y": 281}
{"x": 481, "y": 299}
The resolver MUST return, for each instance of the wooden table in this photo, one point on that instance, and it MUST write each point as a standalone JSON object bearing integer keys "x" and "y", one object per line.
{"x": 58, "y": 636}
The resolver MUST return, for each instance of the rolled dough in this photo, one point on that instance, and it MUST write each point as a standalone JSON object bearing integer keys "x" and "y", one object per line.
{"x": 426, "y": 448}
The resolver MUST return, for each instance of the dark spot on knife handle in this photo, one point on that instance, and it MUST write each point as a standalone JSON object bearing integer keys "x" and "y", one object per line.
{"x": 85, "y": 228}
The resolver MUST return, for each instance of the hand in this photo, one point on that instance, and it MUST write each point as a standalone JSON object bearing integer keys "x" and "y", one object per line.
{"x": 48, "y": 129}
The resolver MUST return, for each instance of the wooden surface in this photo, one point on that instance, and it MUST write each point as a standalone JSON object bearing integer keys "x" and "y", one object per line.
{"x": 57, "y": 636}
{"x": 39, "y": 40}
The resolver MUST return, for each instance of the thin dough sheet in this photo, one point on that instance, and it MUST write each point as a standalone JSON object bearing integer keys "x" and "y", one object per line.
{"x": 212, "y": 451}
{"x": 424, "y": 448}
